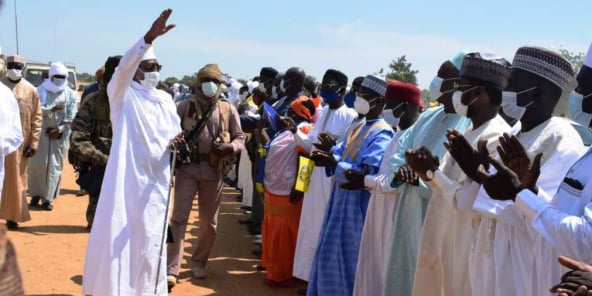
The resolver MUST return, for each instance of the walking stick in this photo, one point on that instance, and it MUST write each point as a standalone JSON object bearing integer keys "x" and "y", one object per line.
{"x": 164, "y": 225}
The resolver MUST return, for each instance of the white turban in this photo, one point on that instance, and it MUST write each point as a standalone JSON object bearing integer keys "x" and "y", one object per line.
{"x": 234, "y": 91}
{"x": 149, "y": 54}
{"x": 57, "y": 69}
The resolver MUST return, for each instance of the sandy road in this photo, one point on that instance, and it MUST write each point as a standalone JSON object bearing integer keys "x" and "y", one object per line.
{"x": 51, "y": 249}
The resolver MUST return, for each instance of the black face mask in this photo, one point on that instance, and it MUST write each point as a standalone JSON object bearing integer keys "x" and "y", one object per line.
{"x": 584, "y": 79}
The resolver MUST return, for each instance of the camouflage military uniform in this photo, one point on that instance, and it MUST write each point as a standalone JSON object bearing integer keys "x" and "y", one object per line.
{"x": 89, "y": 146}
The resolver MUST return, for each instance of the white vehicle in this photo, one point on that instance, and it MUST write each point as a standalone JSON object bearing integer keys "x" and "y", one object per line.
{"x": 36, "y": 73}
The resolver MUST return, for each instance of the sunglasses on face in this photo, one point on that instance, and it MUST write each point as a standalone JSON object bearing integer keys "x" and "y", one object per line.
{"x": 16, "y": 66}
{"x": 151, "y": 68}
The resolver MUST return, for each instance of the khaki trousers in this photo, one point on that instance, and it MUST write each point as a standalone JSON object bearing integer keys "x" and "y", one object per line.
{"x": 189, "y": 181}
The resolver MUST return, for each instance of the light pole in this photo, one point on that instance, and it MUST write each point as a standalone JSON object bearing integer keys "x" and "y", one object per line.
{"x": 16, "y": 28}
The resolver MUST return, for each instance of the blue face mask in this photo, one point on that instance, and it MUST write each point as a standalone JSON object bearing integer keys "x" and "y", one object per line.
{"x": 329, "y": 97}
{"x": 349, "y": 99}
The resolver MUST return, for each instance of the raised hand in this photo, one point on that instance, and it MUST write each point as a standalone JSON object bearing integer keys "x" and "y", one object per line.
{"x": 503, "y": 185}
{"x": 514, "y": 157}
{"x": 421, "y": 160}
{"x": 159, "y": 27}
{"x": 468, "y": 158}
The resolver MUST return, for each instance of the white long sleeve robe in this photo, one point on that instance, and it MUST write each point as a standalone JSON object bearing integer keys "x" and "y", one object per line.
{"x": 451, "y": 225}
{"x": 522, "y": 265}
{"x": 566, "y": 222}
{"x": 123, "y": 249}
{"x": 11, "y": 134}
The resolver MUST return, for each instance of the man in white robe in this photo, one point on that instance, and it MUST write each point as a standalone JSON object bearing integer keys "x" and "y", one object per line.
{"x": 522, "y": 265}
{"x": 123, "y": 249}
{"x": 451, "y": 224}
{"x": 566, "y": 222}
{"x": 58, "y": 106}
{"x": 334, "y": 121}
{"x": 403, "y": 102}
{"x": 11, "y": 135}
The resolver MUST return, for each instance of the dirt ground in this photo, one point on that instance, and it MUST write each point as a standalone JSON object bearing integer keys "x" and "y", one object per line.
{"x": 51, "y": 249}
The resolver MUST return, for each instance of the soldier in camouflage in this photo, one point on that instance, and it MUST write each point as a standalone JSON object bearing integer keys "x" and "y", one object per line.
{"x": 90, "y": 141}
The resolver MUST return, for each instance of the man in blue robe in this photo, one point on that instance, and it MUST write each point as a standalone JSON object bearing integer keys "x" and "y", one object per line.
{"x": 358, "y": 154}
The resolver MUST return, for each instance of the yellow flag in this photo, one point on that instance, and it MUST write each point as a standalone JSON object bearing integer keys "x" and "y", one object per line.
{"x": 305, "y": 167}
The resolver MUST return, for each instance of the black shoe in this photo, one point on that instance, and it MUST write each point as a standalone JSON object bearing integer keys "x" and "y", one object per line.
{"x": 35, "y": 201}
{"x": 245, "y": 208}
{"x": 260, "y": 268}
{"x": 12, "y": 225}
{"x": 47, "y": 206}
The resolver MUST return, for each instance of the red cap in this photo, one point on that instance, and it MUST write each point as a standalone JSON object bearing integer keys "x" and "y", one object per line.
{"x": 403, "y": 91}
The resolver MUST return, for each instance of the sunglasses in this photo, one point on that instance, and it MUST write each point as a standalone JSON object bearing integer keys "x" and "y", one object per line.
{"x": 16, "y": 66}
{"x": 151, "y": 68}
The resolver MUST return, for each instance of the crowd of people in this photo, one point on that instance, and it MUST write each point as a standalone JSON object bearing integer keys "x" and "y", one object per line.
{"x": 353, "y": 186}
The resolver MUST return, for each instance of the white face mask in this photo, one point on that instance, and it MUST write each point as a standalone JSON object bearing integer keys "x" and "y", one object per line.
{"x": 575, "y": 109}
{"x": 282, "y": 86}
{"x": 361, "y": 105}
{"x": 510, "y": 104}
{"x": 274, "y": 92}
{"x": 390, "y": 118}
{"x": 435, "y": 87}
{"x": 14, "y": 74}
{"x": 460, "y": 108}
{"x": 262, "y": 88}
{"x": 150, "y": 80}
{"x": 209, "y": 89}
{"x": 59, "y": 82}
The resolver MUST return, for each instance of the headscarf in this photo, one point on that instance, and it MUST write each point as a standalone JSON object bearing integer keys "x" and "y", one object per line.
{"x": 55, "y": 69}
{"x": 299, "y": 106}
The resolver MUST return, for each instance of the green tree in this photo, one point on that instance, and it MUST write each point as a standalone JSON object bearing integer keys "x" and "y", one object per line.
{"x": 400, "y": 70}
{"x": 85, "y": 77}
{"x": 425, "y": 98}
{"x": 171, "y": 80}
{"x": 189, "y": 80}
{"x": 577, "y": 59}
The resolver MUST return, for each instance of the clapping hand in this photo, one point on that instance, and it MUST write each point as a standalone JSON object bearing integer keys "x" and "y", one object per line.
{"x": 288, "y": 124}
{"x": 326, "y": 142}
{"x": 159, "y": 27}
{"x": 323, "y": 159}
{"x": 575, "y": 282}
{"x": 407, "y": 175}
{"x": 503, "y": 185}
{"x": 514, "y": 157}
{"x": 421, "y": 161}
{"x": 468, "y": 158}
{"x": 355, "y": 180}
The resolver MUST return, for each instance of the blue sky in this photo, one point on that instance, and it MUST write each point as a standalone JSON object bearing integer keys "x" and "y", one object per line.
{"x": 357, "y": 37}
